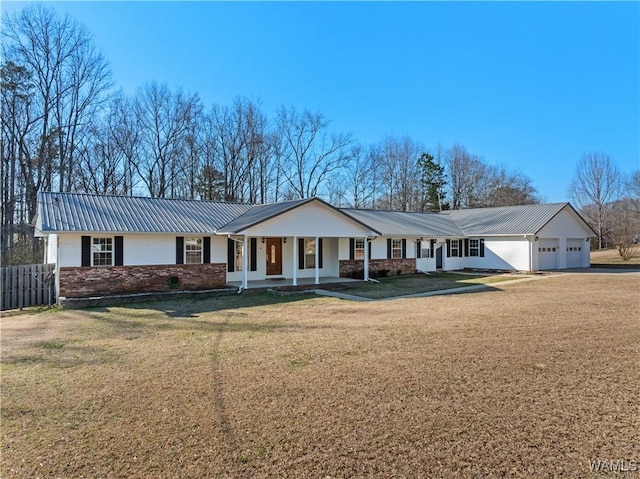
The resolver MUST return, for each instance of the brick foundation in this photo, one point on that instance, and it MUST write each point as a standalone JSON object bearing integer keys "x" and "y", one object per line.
{"x": 101, "y": 281}
{"x": 378, "y": 268}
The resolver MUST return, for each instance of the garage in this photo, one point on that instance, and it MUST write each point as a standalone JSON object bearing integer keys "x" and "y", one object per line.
{"x": 574, "y": 253}
{"x": 548, "y": 253}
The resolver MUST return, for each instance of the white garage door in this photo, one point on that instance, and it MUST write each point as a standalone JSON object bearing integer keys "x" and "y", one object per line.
{"x": 574, "y": 253}
{"x": 547, "y": 254}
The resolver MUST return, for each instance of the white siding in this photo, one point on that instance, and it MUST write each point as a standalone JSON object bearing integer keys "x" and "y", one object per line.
{"x": 139, "y": 249}
{"x": 52, "y": 249}
{"x": 310, "y": 220}
{"x": 70, "y": 246}
{"x": 503, "y": 253}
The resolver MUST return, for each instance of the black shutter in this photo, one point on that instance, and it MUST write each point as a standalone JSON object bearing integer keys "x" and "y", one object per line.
{"x": 352, "y": 248}
{"x": 404, "y": 248}
{"x": 370, "y": 245}
{"x": 206, "y": 249}
{"x": 231, "y": 255}
{"x": 418, "y": 249}
{"x": 86, "y": 251}
{"x": 388, "y": 248}
{"x": 179, "y": 249}
{"x": 448, "y": 248}
{"x": 482, "y": 248}
{"x": 253, "y": 255}
{"x": 466, "y": 246}
{"x": 320, "y": 253}
{"x": 119, "y": 253}
{"x": 300, "y": 253}
{"x": 432, "y": 244}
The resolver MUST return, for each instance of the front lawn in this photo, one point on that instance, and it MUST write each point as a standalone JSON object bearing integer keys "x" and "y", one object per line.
{"x": 537, "y": 379}
{"x": 421, "y": 283}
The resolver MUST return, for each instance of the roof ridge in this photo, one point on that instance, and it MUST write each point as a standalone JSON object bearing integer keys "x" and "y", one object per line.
{"x": 100, "y": 195}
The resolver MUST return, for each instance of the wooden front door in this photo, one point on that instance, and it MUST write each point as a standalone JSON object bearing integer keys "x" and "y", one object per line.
{"x": 274, "y": 256}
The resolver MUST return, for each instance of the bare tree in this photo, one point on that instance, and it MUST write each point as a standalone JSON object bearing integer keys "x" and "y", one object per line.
{"x": 395, "y": 160}
{"x": 59, "y": 82}
{"x": 509, "y": 188}
{"x": 595, "y": 185}
{"x": 310, "y": 152}
{"x": 468, "y": 178}
{"x": 164, "y": 120}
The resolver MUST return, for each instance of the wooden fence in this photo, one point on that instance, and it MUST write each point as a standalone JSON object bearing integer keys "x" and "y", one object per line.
{"x": 27, "y": 285}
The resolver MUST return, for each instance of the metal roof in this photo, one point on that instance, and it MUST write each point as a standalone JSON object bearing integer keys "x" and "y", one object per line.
{"x": 505, "y": 220}
{"x": 401, "y": 223}
{"x": 73, "y": 212}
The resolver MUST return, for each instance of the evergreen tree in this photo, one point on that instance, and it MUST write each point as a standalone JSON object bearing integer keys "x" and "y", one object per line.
{"x": 432, "y": 182}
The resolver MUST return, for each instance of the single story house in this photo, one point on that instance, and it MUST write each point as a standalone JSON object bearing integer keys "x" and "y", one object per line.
{"x": 105, "y": 245}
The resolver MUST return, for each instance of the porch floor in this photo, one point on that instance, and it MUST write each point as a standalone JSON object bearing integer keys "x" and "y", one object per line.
{"x": 288, "y": 282}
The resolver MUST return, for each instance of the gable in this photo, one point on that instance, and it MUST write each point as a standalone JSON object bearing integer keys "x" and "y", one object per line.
{"x": 313, "y": 218}
{"x": 568, "y": 224}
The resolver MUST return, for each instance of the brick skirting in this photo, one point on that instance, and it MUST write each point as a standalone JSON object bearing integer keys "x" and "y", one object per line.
{"x": 378, "y": 268}
{"x": 101, "y": 281}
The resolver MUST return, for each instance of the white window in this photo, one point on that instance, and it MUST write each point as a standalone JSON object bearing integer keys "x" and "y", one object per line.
{"x": 396, "y": 248}
{"x": 102, "y": 251}
{"x": 474, "y": 247}
{"x": 425, "y": 249}
{"x": 309, "y": 253}
{"x": 359, "y": 249}
{"x": 193, "y": 250}
{"x": 455, "y": 247}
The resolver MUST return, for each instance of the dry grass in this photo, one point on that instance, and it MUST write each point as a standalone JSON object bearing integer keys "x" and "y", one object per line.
{"x": 533, "y": 380}
{"x": 421, "y": 283}
{"x": 611, "y": 256}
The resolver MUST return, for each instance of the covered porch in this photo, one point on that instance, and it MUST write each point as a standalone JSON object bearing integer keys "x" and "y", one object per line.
{"x": 289, "y": 282}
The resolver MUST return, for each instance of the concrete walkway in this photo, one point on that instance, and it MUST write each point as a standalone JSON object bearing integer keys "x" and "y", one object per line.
{"x": 440, "y": 292}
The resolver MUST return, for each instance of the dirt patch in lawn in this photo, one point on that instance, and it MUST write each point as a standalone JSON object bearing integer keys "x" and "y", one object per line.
{"x": 534, "y": 380}
{"x": 421, "y": 283}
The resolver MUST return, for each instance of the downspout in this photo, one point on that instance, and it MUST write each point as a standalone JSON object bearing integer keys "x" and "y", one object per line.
{"x": 57, "y": 269}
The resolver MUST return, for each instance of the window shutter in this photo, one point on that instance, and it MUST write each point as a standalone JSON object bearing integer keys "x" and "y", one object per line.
{"x": 253, "y": 255}
{"x": 231, "y": 255}
{"x": 448, "y": 248}
{"x": 86, "y": 251}
{"x": 352, "y": 248}
{"x": 432, "y": 247}
{"x": 418, "y": 249}
{"x": 119, "y": 253}
{"x": 482, "y": 248}
{"x": 320, "y": 253}
{"x": 388, "y": 248}
{"x": 206, "y": 249}
{"x": 301, "y": 253}
{"x": 466, "y": 246}
{"x": 179, "y": 249}
{"x": 404, "y": 248}
{"x": 370, "y": 247}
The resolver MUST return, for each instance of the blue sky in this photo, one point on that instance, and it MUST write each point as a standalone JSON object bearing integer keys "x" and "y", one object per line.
{"x": 529, "y": 85}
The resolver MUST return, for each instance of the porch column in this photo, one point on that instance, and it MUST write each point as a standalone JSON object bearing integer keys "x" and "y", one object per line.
{"x": 366, "y": 258}
{"x": 294, "y": 261}
{"x": 244, "y": 263}
{"x": 317, "y": 261}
